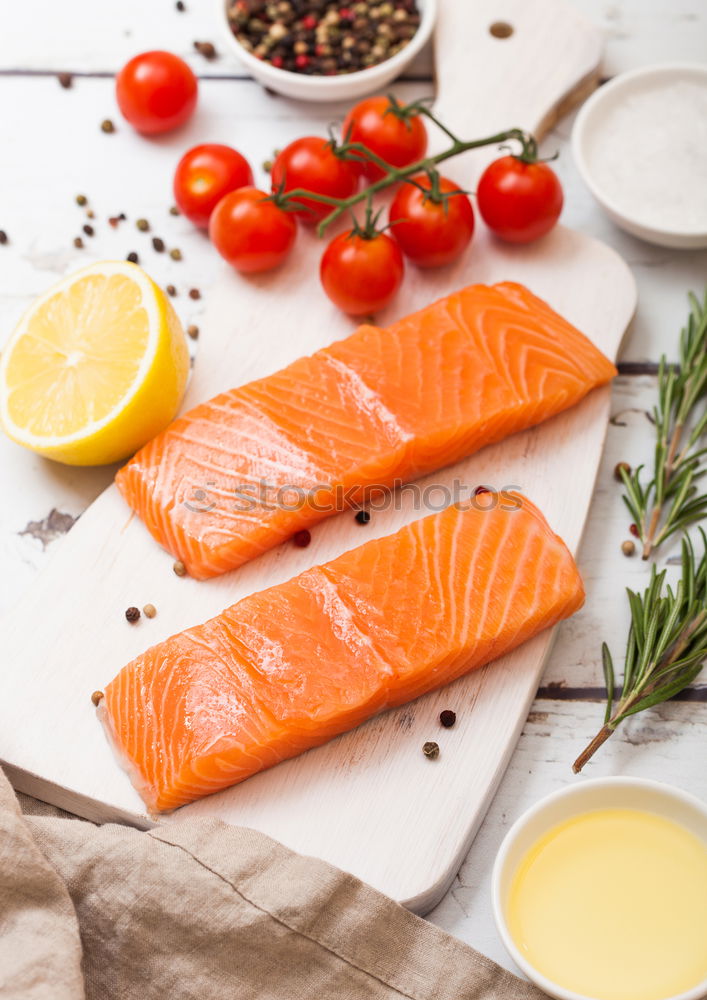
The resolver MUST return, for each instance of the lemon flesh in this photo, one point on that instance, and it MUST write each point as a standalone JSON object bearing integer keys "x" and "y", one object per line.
{"x": 95, "y": 368}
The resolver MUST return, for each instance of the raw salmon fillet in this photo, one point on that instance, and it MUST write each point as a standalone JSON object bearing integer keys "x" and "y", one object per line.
{"x": 292, "y": 666}
{"x": 246, "y": 470}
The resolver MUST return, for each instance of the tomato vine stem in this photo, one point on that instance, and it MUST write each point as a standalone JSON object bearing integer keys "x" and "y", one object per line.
{"x": 394, "y": 175}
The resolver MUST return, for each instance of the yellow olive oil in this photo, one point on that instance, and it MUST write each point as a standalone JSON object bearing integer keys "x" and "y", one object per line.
{"x": 612, "y": 904}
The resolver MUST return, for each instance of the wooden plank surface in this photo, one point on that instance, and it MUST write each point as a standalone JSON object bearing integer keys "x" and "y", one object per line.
{"x": 100, "y": 37}
{"x": 42, "y": 219}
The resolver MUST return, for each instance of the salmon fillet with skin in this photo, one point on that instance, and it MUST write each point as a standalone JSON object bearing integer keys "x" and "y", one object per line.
{"x": 246, "y": 470}
{"x": 293, "y": 666}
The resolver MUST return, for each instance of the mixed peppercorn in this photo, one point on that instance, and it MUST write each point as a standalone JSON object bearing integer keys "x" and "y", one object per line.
{"x": 321, "y": 37}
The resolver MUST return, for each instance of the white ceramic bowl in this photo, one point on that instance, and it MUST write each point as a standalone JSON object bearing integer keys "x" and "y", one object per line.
{"x": 580, "y": 797}
{"x": 588, "y": 129}
{"x": 345, "y": 87}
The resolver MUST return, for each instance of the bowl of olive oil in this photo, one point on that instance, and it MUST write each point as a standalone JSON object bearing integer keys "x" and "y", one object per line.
{"x": 600, "y": 892}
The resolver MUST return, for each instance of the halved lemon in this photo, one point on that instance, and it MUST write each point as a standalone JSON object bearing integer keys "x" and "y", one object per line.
{"x": 95, "y": 368}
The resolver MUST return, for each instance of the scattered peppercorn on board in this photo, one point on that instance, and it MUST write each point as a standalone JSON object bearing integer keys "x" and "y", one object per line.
{"x": 371, "y": 801}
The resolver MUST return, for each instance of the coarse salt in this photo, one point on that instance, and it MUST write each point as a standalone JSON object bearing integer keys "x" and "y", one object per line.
{"x": 649, "y": 158}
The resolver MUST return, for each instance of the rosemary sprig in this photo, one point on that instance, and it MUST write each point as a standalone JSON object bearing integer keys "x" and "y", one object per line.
{"x": 667, "y": 644}
{"x": 672, "y": 500}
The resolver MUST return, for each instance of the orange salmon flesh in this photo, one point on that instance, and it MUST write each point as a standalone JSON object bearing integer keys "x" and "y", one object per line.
{"x": 383, "y": 406}
{"x": 291, "y": 667}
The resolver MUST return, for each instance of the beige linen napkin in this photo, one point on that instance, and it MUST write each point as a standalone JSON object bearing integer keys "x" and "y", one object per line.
{"x": 200, "y": 910}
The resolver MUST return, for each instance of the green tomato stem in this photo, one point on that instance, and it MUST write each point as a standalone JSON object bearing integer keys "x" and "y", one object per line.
{"x": 394, "y": 175}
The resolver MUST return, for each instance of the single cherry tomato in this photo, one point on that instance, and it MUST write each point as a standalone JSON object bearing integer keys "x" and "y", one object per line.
{"x": 156, "y": 92}
{"x": 312, "y": 164}
{"x": 250, "y": 231}
{"x": 398, "y": 140}
{"x": 361, "y": 274}
{"x": 519, "y": 201}
{"x": 204, "y": 175}
{"x": 434, "y": 226}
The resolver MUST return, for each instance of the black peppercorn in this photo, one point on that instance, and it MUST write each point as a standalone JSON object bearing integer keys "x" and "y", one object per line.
{"x": 363, "y": 516}
{"x": 447, "y": 718}
{"x": 206, "y": 49}
{"x": 618, "y": 468}
{"x": 302, "y": 538}
{"x": 132, "y": 614}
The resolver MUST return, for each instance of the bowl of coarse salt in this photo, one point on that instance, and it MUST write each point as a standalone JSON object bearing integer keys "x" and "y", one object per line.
{"x": 640, "y": 144}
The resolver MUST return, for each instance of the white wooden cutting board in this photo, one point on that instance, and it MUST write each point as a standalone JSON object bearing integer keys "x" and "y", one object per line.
{"x": 369, "y": 801}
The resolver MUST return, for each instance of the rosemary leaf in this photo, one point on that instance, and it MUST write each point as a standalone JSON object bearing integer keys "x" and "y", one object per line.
{"x": 670, "y": 500}
{"x": 666, "y": 647}
{"x": 665, "y": 692}
{"x": 608, "y": 665}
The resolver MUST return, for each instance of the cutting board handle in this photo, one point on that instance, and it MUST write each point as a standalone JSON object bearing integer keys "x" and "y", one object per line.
{"x": 507, "y": 63}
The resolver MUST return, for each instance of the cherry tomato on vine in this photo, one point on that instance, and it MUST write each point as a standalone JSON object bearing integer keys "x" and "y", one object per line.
{"x": 361, "y": 273}
{"x": 433, "y": 226}
{"x": 519, "y": 201}
{"x": 251, "y": 232}
{"x": 204, "y": 175}
{"x": 398, "y": 139}
{"x": 156, "y": 92}
{"x": 311, "y": 163}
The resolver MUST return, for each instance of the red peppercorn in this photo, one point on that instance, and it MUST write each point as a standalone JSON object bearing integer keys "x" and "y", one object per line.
{"x": 634, "y": 530}
{"x": 278, "y": 62}
{"x": 309, "y": 22}
{"x": 302, "y": 538}
{"x": 481, "y": 489}
{"x": 302, "y": 61}
{"x": 346, "y": 12}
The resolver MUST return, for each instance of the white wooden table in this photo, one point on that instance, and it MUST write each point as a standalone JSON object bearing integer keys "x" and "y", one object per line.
{"x": 53, "y": 149}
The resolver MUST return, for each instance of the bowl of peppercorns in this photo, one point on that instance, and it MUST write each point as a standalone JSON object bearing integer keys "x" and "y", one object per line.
{"x": 327, "y": 50}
